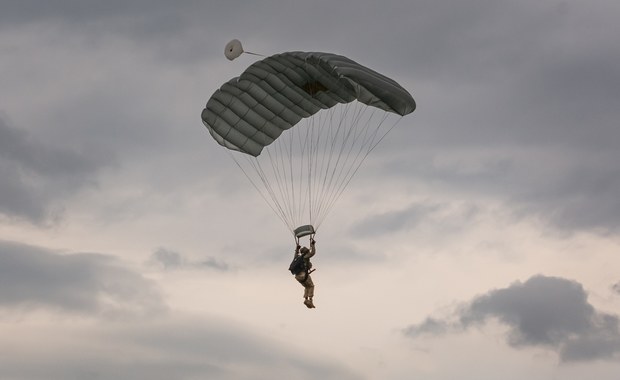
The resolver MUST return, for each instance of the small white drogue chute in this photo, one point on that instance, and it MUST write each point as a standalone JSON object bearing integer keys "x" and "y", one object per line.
{"x": 234, "y": 49}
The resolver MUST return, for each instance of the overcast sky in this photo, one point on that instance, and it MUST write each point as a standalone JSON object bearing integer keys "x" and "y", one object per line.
{"x": 480, "y": 240}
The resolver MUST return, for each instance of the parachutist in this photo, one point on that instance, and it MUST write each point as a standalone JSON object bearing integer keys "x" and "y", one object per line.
{"x": 301, "y": 267}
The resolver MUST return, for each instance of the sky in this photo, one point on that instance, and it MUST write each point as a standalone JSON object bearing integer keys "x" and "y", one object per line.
{"x": 479, "y": 240}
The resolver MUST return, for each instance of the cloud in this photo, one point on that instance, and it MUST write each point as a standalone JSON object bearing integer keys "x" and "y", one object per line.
{"x": 451, "y": 217}
{"x": 531, "y": 104}
{"x": 580, "y": 196}
{"x": 36, "y": 177}
{"x": 393, "y": 221}
{"x": 548, "y": 312}
{"x": 184, "y": 33}
{"x": 430, "y": 326}
{"x": 85, "y": 283}
{"x": 168, "y": 259}
{"x": 538, "y": 83}
{"x": 178, "y": 347}
{"x": 570, "y": 191}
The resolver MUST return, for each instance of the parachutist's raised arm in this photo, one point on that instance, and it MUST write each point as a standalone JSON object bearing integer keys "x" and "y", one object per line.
{"x": 312, "y": 249}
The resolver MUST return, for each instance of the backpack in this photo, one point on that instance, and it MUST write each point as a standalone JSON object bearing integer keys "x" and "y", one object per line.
{"x": 298, "y": 265}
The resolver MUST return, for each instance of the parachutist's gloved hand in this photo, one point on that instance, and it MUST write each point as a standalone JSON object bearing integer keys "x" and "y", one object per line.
{"x": 297, "y": 248}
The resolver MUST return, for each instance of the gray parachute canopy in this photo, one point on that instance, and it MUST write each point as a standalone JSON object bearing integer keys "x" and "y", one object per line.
{"x": 299, "y": 125}
{"x": 272, "y": 95}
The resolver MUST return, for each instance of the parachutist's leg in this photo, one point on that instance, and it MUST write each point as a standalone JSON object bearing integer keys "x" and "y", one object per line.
{"x": 306, "y": 281}
{"x": 308, "y": 292}
{"x": 309, "y": 285}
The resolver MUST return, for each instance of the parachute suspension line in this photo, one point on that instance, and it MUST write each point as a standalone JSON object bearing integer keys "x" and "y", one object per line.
{"x": 302, "y": 174}
{"x": 275, "y": 207}
{"x": 278, "y": 177}
{"x": 351, "y": 167}
{"x": 306, "y": 153}
{"x": 307, "y": 139}
{"x": 372, "y": 146}
{"x": 333, "y": 159}
{"x": 335, "y": 126}
{"x": 346, "y": 136}
{"x": 308, "y": 149}
{"x": 368, "y": 134}
{"x": 323, "y": 126}
{"x": 362, "y": 133}
{"x": 267, "y": 183}
{"x": 333, "y": 139}
{"x": 351, "y": 135}
{"x": 344, "y": 153}
{"x": 302, "y": 140}
{"x": 314, "y": 125}
{"x": 286, "y": 151}
{"x": 286, "y": 154}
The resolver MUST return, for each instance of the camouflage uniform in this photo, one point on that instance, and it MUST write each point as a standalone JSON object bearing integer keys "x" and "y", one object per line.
{"x": 303, "y": 277}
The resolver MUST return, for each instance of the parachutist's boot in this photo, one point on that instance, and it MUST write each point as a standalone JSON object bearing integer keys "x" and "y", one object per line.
{"x": 308, "y": 302}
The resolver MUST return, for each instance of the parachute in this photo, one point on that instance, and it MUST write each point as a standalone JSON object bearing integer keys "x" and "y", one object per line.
{"x": 233, "y": 49}
{"x": 300, "y": 124}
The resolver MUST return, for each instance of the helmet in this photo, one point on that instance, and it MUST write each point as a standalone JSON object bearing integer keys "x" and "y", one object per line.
{"x": 304, "y": 250}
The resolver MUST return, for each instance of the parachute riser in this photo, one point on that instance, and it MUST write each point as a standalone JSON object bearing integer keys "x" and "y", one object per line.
{"x": 302, "y": 231}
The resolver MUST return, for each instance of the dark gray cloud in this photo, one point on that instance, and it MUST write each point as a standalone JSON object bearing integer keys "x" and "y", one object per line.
{"x": 534, "y": 85}
{"x": 616, "y": 287}
{"x": 579, "y": 198}
{"x": 183, "y": 33}
{"x": 527, "y": 93}
{"x": 36, "y": 177}
{"x": 571, "y": 192}
{"x": 156, "y": 348}
{"x": 549, "y": 312}
{"x": 544, "y": 75}
{"x": 169, "y": 259}
{"x": 33, "y": 277}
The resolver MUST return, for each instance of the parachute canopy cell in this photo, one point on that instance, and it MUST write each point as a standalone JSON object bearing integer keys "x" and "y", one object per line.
{"x": 251, "y": 111}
